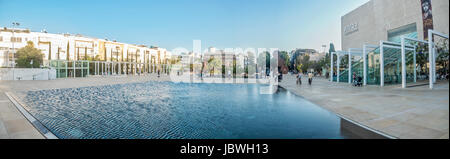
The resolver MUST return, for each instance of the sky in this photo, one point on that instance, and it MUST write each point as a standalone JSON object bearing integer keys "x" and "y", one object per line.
{"x": 283, "y": 24}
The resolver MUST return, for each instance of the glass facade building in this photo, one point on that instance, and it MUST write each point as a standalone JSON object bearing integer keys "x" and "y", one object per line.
{"x": 391, "y": 62}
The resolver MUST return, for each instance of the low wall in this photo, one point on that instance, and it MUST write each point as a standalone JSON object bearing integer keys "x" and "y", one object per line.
{"x": 27, "y": 74}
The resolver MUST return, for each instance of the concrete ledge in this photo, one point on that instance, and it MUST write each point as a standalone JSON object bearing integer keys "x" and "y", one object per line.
{"x": 362, "y": 131}
{"x": 38, "y": 125}
{"x": 27, "y": 74}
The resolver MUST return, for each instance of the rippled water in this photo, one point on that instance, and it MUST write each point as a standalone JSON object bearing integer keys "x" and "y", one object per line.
{"x": 178, "y": 110}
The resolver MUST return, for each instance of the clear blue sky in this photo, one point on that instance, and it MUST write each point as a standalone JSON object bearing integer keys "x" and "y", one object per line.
{"x": 284, "y": 24}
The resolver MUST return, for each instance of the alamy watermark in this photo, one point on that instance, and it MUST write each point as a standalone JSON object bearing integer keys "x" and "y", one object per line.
{"x": 229, "y": 65}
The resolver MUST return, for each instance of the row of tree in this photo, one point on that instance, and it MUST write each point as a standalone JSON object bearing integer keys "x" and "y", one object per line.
{"x": 31, "y": 57}
{"x": 301, "y": 62}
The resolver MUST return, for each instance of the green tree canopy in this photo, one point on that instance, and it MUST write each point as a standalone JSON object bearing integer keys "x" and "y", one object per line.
{"x": 285, "y": 56}
{"x": 263, "y": 59}
{"x": 27, "y": 54}
{"x": 331, "y": 48}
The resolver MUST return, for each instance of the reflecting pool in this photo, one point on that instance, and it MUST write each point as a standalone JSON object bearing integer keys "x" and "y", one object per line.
{"x": 167, "y": 110}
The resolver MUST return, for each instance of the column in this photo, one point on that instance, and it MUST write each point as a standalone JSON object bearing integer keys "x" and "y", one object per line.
{"x": 414, "y": 64}
{"x": 120, "y": 68}
{"x": 434, "y": 64}
{"x": 337, "y": 67}
{"x": 331, "y": 68}
{"x": 98, "y": 68}
{"x": 381, "y": 64}
{"x": 82, "y": 68}
{"x": 365, "y": 66}
{"x": 349, "y": 66}
{"x": 403, "y": 62}
{"x": 430, "y": 57}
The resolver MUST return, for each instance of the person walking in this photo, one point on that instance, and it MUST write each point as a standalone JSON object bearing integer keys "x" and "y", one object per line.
{"x": 159, "y": 73}
{"x": 310, "y": 76}
{"x": 299, "y": 79}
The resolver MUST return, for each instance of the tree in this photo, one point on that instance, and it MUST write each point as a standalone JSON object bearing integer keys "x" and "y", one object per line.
{"x": 422, "y": 58}
{"x": 251, "y": 66}
{"x": 295, "y": 54}
{"x": 285, "y": 56}
{"x": 303, "y": 63}
{"x": 96, "y": 58}
{"x": 442, "y": 57}
{"x": 331, "y": 49}
{"x": 263, "y": 62}
{"x": 213, "y": 65}
{"x": 328, "y": 56}
{"x": 27, "y": 54}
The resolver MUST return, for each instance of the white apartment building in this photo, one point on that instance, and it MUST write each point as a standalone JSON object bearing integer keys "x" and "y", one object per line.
{"x": 75, "y": 48}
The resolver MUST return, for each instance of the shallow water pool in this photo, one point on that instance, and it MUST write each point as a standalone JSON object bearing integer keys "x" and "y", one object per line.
{"x": 166, "y": 110}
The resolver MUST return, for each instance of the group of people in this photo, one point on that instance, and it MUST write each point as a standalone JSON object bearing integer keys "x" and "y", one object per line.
{"x": 310, "y": 78}
{"x": 357, "y": 81}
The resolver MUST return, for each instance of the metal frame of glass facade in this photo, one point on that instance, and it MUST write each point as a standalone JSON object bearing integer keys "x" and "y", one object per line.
{"x": 390, "y": 62}
{"x": 382, "y": 63}
{"x": 66, "y": 69}
{"x": 351, "y": 53}
{"x": 432, "y": 58}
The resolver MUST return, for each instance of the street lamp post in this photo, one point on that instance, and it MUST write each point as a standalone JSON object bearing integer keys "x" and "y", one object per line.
{"x": 325, "y": 52}
{"x": 119, "y": 71}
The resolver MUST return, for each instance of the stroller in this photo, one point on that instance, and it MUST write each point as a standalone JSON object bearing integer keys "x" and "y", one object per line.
{"x": 357, "y": 82}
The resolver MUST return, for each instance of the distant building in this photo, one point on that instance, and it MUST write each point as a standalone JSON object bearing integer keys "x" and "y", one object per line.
{"x": 316, "y": 56}
{"x": 313, "y": 54}
{"x": 76, "y": 47}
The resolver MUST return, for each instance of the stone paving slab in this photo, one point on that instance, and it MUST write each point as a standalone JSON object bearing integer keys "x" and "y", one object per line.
{"x": 412, "y": 113}
{"x": 13, "y": 125}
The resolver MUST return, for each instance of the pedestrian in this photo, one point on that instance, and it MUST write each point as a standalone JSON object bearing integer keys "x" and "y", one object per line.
{"x": 310, "y": 76}
{"x": 299, "y": 79}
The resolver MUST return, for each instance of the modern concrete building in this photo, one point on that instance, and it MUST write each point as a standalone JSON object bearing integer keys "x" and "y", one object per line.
{"x": 389, "y": 19}
{"x": 382, "y": 40}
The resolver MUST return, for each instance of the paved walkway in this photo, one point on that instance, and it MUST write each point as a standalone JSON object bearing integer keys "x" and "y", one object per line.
{"x": 412, "y": 113}
{"x": 13, "y": 125}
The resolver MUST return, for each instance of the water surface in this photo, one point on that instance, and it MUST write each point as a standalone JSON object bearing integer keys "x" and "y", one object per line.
{"x": 167, "y": 110}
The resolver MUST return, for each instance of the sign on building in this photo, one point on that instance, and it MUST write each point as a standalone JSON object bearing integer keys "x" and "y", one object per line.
{"x": 427, "y": 16}
{"x": 351, "y": 28}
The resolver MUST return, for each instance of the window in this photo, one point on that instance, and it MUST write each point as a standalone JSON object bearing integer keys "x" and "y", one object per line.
{"x": 395, "y": 34}
{"x": 16, "y": 39}
{"x": 1, "y": 38}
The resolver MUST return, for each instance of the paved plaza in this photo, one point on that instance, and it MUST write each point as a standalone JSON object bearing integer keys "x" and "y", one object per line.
{"x": 411, "y": 113}
{"x": 13, "y": 125}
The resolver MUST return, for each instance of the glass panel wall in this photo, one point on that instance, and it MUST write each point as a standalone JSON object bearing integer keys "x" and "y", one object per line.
{"x": 343, "y": 76}
{"x": 66, "y": 69}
